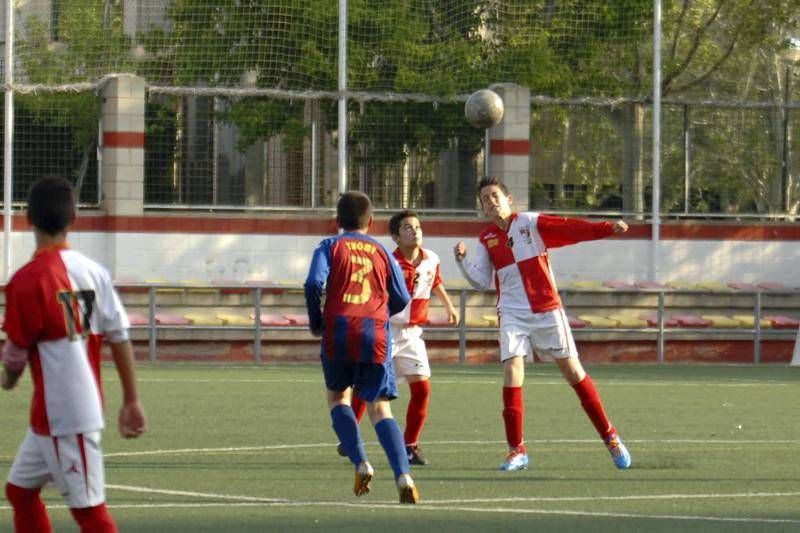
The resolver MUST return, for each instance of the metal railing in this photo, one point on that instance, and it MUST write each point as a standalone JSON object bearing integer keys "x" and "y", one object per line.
{"x": 660, "y": 332}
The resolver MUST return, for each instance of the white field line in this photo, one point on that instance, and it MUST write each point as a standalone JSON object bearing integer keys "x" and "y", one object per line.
{"x": 453, "y": 505}
{"x": 236, "y": 449}
{"x": 557, "y": 382}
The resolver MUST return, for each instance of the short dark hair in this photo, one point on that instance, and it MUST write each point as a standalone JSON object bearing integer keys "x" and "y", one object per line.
{"x": 491, "y": 180}
{"x": 394, "y": 222}
{"x": 353, "y": 211}
{"x": 51, "y": 204}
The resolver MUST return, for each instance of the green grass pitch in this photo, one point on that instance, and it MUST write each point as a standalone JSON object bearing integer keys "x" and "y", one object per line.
{"x": 250, "y": 449}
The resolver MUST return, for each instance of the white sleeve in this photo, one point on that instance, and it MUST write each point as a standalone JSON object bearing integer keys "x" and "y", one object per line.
{"x": 114, "y": 316}
{"x": 477, "y": 269}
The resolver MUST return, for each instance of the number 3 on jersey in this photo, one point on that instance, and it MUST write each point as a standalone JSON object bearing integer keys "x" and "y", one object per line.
{"x": 77, "y": 305}
{"x": 360, "y": 277}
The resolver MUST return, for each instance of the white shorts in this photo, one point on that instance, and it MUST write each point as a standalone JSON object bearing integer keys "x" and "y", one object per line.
{"x": 546, "y": 334}
{"x": 73, "y": 462}
{"x": 409, "y": 355}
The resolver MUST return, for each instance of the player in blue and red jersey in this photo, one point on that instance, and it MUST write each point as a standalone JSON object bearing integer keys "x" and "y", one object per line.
{"x": 363, "y": 286}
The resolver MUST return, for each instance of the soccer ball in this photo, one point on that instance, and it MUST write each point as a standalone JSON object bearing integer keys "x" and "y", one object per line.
{"x": 484, "y": 109}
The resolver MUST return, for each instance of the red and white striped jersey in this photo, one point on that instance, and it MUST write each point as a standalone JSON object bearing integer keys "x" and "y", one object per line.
{"x": 420, "y": 281}
{"x": 58, "y": 306}
{"x": 519, "y": 259}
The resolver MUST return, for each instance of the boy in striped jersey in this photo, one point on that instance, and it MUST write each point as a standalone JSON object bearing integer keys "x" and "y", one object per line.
{"x": 60, "y": 307}
{"x": 513, "y": 252}
{"x": 363, "y": 286}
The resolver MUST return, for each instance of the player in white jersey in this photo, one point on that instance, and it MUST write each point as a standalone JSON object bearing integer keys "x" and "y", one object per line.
{"x": 420, "y": 268}
{"x": 513, "y": 252}
{"x": 59, "y": 308}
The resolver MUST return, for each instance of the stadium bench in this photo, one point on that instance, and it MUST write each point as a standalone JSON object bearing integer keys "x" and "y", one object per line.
{"x": 712, "y": 286}
{"x": 268, "y": 319}
{"x": 749, "y": 321}
{"x": 617, "y": 285}
{"x": 597, "y": 321}
{"x": 627, "y": 321}
{"x": 783, "y": 322}
{"x": 233, "y": 319}
{"x": 649, "y": 285}
{"x": 136, "y": 319}
{"x": 297, "y": 320}
{"x": 585, "y": 284}
{"x": 439, "y": 321}
{"x": 652, "y": 321}
{"x": 691, "y": 321}
{"x": 722, "y": 322}
{"x": 203, "y": 319}
{"x": 575, "y": 322}
{"x": 169, "y": 319}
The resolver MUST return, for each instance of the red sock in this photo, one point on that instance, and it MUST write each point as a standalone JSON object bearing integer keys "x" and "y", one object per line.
{"x": 94, "y": 519}
{"x": 513, "y": 413}
{"x": 359, "y": 406}
{"x": 417, "y": 411}
{"x": 30, "y": 515}
{"x": 590, "y": 400}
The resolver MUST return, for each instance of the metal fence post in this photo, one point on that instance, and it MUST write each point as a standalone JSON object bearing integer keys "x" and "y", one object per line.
{"x": 660, "y": 320}
{"x": 462, "y": 331}
{"x": 257, "y": 311}
{"x": 151, "y": 296}
{"x": 757, "y": 327}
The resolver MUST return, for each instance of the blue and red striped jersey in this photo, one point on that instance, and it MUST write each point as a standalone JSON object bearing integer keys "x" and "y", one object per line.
{"x": 363, "y": 287}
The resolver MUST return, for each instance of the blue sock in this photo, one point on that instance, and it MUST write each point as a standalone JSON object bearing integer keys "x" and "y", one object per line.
{"x": 391, "y": 438}
{"x": 346, "y": 428}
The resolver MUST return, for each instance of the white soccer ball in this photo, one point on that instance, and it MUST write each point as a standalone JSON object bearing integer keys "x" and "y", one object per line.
{"x": 484, "y": 109}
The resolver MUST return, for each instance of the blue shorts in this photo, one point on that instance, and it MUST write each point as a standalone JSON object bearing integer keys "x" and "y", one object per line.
{"x": 370, "y": 381}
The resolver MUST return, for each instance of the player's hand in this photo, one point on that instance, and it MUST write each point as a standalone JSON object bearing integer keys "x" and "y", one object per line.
{"x": 316, "y": 332}
{"x": 132, "y": 421}
{"x": 452, "y": 316}
{"x": 460, "y": 251}
{"x": 620, "y": 226}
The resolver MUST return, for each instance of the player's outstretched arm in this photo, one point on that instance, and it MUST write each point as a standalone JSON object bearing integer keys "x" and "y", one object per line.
{"x": 132, "y": 421}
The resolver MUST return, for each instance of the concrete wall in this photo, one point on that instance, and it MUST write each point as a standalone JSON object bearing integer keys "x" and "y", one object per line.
{"x": 177, "y": 257}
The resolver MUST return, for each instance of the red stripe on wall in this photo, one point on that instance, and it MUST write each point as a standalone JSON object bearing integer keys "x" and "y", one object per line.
{"x": 509, "y": 147}
{"x": 433, "y": 227}
{"x": 123, "y": 139}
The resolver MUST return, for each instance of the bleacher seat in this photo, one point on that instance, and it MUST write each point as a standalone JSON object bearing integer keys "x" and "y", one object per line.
{"x": 712, "y": 286}
{"x": 203, "y": 319}
{"x": 135, "y": 319}
{"x": 617, "y": 285}
{"x": 771, "y": 286}
{"x": 121, "y": 282}
{"x": 575, "y": 322}
{"x": 627, "y": 321}
{"x": 722, "y": 322}
{"x": 749, "y": 321}
{"x": 597, "y": 321}
{"x": 585, "y": 284}
{"x": 743, "y": 286}
{"x": 783, "y": 322}
{"x": 164, "y": 290}
{"x": 268, "y": 319}
{"x": 678, "y": 284}
{"x": 691, "y": 321}
{"x": 297, "y": 320}
{"x": 649, "y": 285}
{"x": 230, "y": 290}
{"x": 170, "y": 319}
{"x": 233, "y": 319}
{"x": 652, "y": 321}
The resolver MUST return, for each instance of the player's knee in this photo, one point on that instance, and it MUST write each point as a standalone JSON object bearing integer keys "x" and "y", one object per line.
{"x": 94, "y": 519}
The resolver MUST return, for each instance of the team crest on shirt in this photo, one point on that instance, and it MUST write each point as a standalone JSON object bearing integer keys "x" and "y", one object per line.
{"x": 491, "y": 243}
{"x": 510, "y": 242}
{"x": 526, "y": 234}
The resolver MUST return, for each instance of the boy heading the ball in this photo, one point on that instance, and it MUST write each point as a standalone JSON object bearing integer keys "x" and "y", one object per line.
{"x": 513, "y": 251}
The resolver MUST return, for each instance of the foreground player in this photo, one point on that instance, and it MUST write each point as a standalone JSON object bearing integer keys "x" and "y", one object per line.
{"x": 59, "y": 307}
{"x": 363, "y": 287}
{"x": 532, "y": 319}
{"x": 409, "y": 356}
